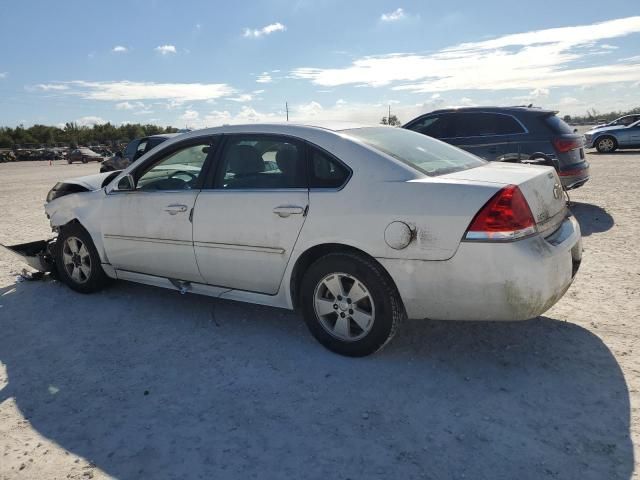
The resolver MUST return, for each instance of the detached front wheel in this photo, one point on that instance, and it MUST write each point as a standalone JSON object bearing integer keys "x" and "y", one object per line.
{"x": 77, "y": 260}
{"x": 350, "y": 305}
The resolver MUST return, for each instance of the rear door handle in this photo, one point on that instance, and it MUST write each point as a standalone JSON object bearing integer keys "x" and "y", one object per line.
{"x": 176, "y": 208}
{"x": 286, "y": 210}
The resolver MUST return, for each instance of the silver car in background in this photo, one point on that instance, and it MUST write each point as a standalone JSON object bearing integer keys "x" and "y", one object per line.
{"x": 610, "y": 139}
{"x": 356, "y": 227}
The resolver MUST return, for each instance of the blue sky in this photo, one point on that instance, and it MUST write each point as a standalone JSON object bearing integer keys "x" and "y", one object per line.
{"x": 207, "y": 63}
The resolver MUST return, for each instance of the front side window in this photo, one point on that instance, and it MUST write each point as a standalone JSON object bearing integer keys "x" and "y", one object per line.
{"x": 326, "y": 172}
{"x": 177, "y": 171}
{"x": 428, "y": 156}
{"x": 262, "y": 162}
{"x": 436, "y": 126}
{"x": 131, "y": 148}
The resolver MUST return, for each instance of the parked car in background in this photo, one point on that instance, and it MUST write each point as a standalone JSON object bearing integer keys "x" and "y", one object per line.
{"x": 609, "y": 139}
{"x": 624, "y": 121}
{"x": 510, "y": 134}
{"x": 83, "y": 155}
{"x": 134, "y": 150}
{"x": 356, "y": 227}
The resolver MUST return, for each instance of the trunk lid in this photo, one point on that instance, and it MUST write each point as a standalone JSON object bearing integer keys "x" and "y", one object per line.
{"x": 540, "y": 186}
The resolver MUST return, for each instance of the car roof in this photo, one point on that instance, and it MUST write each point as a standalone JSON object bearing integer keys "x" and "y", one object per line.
{"x": 281, "y": 127}
{"x": 494, "y": 109}
{"x": 163, "y": 135}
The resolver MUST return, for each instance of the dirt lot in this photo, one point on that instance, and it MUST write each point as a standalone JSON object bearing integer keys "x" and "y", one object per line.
{"x": 138, "y": 382}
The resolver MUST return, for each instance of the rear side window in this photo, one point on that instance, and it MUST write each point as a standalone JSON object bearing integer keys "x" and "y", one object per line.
{"x": 428, "y": 156}
{"x": 557, "y": 125}
{"x": 485, "y": 125}
{"x": 326, "y": 172}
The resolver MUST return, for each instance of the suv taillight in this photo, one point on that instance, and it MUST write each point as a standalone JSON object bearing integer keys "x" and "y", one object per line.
{"x": 564, "y": 145}
{"x": 506, "y": 216}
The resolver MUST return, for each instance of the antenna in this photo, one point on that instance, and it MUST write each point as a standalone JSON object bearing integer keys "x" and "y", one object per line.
{"x": 286, "y": 106}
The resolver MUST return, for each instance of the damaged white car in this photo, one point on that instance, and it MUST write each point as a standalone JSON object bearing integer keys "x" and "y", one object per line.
{"x": 357, "y": 227}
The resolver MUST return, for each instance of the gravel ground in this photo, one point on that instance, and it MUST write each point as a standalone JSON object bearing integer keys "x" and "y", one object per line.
{"x": 138, "y": 382}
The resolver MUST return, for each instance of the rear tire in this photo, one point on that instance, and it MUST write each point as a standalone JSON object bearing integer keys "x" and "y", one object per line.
{"x": 606, "y": 144}
{"x": 350, "y": 305}
{"x": 78, "y": 262}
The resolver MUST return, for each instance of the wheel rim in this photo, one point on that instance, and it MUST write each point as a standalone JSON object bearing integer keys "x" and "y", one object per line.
{"x": 76, "y": 259}
{"x": 344, "y": 307}
{"x": 606, "y": 144}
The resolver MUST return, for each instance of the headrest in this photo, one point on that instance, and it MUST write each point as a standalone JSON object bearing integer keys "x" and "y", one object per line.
{"x": 245, "y": 160}
{"x": 286, "y": 159}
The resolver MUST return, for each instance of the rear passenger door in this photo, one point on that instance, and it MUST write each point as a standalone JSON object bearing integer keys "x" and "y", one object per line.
{"x": 248, "y": 216}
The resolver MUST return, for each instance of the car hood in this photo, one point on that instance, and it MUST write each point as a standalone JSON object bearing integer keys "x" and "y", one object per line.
{"x": 90, "y": 182}
{"x": 603, "y": 129}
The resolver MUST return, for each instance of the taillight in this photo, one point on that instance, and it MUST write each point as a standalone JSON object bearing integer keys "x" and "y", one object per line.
{"x": 506, "y": 216}
{"x": 564, "y": 145}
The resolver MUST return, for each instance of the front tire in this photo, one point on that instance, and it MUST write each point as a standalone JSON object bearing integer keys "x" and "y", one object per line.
{"x": 350, "y": 305}
{"x": 606, "y": 144}
{"x": 77, "y": 260}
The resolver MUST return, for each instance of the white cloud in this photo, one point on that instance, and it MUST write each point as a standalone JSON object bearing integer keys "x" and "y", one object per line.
{"x": 606, "y": 46}
{"x": 189, "y": 115}
{"x": 138, "y": 108}
{"x": 127, "y": 105}
{"x": 257, "y": 92}
{"x": 397, "y": 14}
{"x": 122, "y": 91}
{"x": 46, "y": 87}
{"x": 119, "y": 49}
{"x": 539, "y": 93}
{"x": 3, "y": 75}
{"x": 165, "y": 49}
{"x": 90, "y": 121}
{"x": 245, "y": 97}
{"x": 264, "y": 77}
{"x": 530, "y": 60}
{"x": 266, "y": 30}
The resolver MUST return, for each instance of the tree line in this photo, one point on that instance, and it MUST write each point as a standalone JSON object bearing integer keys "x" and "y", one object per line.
{"x": 593, "y": 116}
{"x": 73, "y": 135}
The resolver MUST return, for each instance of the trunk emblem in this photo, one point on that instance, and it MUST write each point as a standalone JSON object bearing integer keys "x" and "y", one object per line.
{"x": 557, "y": 191}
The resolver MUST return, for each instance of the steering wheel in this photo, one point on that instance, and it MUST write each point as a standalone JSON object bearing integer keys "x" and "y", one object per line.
{"x": 192, "y": 176}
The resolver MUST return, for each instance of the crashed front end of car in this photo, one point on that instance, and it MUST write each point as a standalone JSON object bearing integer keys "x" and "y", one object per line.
{"x": 40, "y": 254}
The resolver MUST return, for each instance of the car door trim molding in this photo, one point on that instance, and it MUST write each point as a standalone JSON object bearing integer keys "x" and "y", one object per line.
{"x": 234, "y": 246}
{"x": 167, "y": 241}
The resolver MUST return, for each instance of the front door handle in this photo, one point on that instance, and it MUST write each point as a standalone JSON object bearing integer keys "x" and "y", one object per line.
{"x": 286, "y": 210}
{"x": 176, "y": 208}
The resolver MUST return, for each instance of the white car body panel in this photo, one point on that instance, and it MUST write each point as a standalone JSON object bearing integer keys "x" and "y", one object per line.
{"x": 243, "y": 251}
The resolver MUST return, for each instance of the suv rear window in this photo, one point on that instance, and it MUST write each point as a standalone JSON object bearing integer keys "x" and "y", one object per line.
{"x": 427, "y": 155}
{"x": 557, "y": 125}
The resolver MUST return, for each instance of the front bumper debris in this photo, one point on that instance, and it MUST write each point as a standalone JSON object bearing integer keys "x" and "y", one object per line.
{"x": 38, "y": 254}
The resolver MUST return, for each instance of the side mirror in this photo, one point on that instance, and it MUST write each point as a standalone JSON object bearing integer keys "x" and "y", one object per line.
{"x": 126, "y": 184}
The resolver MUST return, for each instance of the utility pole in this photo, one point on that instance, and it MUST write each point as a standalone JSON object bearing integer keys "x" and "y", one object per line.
{"x": 389, "y": 117}
{"x": 286, "y": 106}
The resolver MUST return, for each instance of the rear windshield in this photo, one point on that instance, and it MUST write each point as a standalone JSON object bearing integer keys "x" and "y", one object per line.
{"x": 427, "y": 155}
{"x": 557, "y": 125}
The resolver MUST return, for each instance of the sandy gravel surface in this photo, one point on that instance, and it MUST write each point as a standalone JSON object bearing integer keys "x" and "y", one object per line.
{"x": 138, "y": 382}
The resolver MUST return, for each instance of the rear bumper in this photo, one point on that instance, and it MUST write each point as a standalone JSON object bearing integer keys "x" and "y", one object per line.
{"x": 574, "y": 177}
{"x": 491, "y": 281}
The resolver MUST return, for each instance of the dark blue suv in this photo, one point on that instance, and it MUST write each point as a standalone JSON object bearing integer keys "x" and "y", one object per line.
{"x": 511, "y": 134}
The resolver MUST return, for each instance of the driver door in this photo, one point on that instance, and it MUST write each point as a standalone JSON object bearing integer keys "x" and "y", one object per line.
{"x": 147, "y": 229}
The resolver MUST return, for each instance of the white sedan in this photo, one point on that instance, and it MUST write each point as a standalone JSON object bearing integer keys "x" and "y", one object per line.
{"x": 357, "y": 227}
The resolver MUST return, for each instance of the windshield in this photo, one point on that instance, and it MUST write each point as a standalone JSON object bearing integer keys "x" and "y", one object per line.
{"x": 427, "y": 155}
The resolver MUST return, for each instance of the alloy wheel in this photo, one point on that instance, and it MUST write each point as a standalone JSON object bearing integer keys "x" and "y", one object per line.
{"x": 344, "y": 306}
{"x": 76, "y": 260}
{"x": 606, "y": 145}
